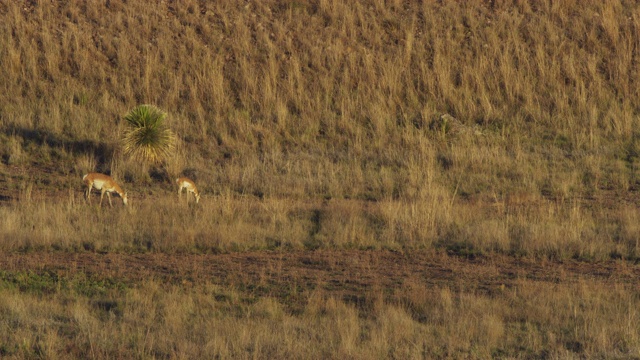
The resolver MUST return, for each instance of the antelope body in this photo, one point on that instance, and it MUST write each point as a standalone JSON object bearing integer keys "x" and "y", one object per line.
{"x": 105, "y": 184}
{"x": 189, "y": 185}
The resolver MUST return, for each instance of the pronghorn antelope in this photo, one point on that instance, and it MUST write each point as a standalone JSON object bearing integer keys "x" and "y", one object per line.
{"x": 105, "y": 184}
{"x": 186, "y": 183}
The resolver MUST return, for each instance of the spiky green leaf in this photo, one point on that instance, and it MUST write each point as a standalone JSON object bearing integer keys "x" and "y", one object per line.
{"x": 147, "y": 137}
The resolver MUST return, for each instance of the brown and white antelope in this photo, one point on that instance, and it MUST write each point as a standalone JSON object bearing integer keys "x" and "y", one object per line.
{"x": 105, "y": 184}
{"x": 186, "y": 183}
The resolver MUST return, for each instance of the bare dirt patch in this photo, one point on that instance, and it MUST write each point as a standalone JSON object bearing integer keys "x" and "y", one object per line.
{"x": 347, "y": 274}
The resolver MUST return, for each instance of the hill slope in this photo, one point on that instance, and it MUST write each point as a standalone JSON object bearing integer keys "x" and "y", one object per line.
{"x": 473, "y": 124}
{"x": 379, "y": 179}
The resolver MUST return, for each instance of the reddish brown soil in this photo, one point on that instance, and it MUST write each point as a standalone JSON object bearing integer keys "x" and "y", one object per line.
{"x": 348, "y": 273}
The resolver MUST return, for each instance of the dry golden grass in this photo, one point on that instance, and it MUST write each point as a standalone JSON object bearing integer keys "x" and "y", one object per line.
{"x": 160, "y": 222}
{"x": 152, "y": 320}
{"x": 470, "y": 127}
{"x": 349, "y": 85}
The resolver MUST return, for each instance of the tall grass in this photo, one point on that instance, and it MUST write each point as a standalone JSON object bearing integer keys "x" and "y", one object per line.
{"x": 331, "y": 113}
{"x": 229, "y": 222}
{"x": 465, "y": 127}
{"x": 152, "y": 319}
{"x": 351, "y": 87}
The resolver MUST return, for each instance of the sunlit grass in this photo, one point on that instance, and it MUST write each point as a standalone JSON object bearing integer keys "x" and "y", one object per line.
{"x": 82, "y": 317}
{"x": 470, "y": 128}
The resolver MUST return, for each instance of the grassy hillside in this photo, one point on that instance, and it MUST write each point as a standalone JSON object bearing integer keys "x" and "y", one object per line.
{"x": 471, "y": 132}
{"x": 477, "y": 126}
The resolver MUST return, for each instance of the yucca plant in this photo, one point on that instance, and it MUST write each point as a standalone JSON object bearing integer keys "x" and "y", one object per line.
{"x": 147, "y": 137}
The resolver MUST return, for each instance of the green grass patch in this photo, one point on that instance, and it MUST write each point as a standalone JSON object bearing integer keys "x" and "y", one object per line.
{"x": 49, "y": 282}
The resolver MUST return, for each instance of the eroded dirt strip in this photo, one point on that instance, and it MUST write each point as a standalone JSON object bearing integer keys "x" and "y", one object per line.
{"x": 345, "y": 273}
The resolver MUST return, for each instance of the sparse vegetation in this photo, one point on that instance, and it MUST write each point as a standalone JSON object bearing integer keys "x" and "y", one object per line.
{"x": 473, "y": 129}
{"x": 157, "y": 320}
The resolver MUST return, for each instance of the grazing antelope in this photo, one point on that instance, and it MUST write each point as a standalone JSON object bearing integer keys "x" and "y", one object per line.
{"x": 186, "y": 183}
{"x": 105, "y": 184}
